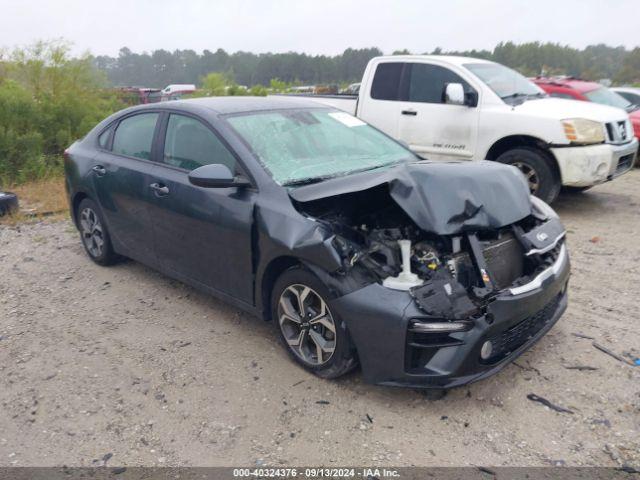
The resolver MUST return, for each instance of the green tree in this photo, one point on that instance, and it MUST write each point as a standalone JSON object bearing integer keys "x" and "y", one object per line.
{"x": 49, "y": 99}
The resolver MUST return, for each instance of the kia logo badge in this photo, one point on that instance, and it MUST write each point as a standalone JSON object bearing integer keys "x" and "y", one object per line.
{"x": 542, "y": 236}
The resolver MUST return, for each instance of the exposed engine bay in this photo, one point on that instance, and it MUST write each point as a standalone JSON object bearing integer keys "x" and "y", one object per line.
{"x": 449, "y": 276}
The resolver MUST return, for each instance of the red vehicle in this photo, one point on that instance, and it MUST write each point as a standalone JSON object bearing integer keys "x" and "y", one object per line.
{"x": 576, "y": 89}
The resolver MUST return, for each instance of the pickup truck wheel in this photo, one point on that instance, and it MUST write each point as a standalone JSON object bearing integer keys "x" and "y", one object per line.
{"x": 313, "y": 335}
{"x": 536, "y": 167}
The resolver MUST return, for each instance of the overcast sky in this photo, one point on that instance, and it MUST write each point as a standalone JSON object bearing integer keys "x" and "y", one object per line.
{"x": 316, "y": 26}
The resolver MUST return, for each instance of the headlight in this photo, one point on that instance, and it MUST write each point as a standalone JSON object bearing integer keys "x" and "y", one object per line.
{"x": 542, "y": 208}
{"x": 581, "y": 130}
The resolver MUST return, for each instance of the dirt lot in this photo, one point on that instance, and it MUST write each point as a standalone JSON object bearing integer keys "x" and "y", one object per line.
{"x": 123, "y": 361}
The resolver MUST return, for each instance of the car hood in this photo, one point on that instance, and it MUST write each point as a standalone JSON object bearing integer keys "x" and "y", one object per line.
{"x": 561, "y": 109}
{"x": 441, "y": 198}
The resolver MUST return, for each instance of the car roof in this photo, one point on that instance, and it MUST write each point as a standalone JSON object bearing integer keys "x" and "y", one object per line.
{"x": 581, "y": 86}
{"x": 238, "y": 104}
{"x": 453, "y": 59}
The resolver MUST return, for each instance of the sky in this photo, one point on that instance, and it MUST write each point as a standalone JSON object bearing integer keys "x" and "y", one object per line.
{"x": 314, "y": 26}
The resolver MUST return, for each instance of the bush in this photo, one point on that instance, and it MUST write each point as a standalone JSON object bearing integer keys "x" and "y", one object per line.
{"x": 47, "y": 101}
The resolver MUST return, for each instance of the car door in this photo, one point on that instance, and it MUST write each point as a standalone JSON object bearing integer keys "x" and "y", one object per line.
{"x": 121, "y": 175}
{"x": 202, "y": 235}
{"x": 431, "y": 127}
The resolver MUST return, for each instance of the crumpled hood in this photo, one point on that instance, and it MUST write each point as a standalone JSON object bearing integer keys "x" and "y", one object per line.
{"x": 441, "y": 198}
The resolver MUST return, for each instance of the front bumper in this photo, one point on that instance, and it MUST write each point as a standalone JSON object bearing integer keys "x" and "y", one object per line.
{"x": 593, "y": 164}
{"x": 379, "y": 319}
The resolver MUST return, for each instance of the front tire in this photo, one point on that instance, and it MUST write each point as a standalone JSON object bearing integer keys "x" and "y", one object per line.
{"x": 94, "y": 233}
{"x": 314, "y": 335}
{"x": 537, "y": 169}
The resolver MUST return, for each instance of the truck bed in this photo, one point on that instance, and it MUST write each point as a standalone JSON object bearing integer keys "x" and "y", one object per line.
{"x": 346, "y": 103}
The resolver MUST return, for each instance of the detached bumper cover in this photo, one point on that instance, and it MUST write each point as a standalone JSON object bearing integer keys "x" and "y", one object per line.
{"x": 379, "y": 322}
{"x": 592, "y": 164}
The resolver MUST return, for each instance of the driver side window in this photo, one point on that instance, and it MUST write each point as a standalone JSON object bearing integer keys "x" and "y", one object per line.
{"x": 427, "y": 82}
{"x": 189, "y": 144}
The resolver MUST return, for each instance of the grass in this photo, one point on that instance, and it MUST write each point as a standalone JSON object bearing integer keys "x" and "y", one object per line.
{"x": 39, "y": 199}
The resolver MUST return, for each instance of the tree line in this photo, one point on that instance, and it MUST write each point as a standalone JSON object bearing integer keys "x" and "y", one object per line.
{"x": 162, "y": 67}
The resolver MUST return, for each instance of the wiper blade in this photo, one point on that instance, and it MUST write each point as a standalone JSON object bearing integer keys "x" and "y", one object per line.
{"x": 304, "y": 181}
{"x": 515, "y": 95}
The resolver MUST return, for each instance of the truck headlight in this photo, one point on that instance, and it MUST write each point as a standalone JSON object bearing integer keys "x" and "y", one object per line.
{"x": 581, "y": 130}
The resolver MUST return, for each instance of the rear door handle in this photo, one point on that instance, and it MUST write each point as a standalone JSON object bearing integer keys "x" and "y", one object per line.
{"x": 99, "y": 170}
{"x": 159, "y": 189}
{"x": 413, "y": 113}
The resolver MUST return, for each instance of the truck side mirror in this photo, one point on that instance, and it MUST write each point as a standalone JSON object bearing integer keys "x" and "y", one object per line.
{"x": 454, "y": 94}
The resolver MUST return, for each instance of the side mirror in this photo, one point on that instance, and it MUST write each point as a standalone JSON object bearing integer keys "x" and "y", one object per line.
{"x": 454, "y": 94}
{"x": 216, "y": 175}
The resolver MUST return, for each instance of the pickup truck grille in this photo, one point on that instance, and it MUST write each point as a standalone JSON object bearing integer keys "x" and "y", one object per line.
{"x": 619, "y": 132}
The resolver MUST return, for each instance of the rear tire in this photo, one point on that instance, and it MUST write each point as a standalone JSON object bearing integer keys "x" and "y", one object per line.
{"x": 313, "y": 335}
{"x": 537, "y": 168}
{"x": 94, "y": 233}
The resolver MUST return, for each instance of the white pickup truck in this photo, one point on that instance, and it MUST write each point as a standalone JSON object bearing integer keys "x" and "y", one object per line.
{"x": 447, "y": 107}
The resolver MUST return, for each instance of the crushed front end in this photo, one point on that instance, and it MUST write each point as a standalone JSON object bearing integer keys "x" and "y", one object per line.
{"x": 454, "y": 307}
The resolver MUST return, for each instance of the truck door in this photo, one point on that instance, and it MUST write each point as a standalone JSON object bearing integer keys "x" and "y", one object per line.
{"x": 432, "y": 128}
{"x": 379, "y": 104}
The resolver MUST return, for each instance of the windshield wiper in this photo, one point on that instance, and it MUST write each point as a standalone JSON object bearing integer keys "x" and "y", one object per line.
{"x": 305, "y": 181}
{"x": 514, "y": 95}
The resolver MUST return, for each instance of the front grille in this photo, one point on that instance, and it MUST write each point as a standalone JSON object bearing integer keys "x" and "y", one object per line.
{"x": 619, "y": 132}
{"x": 505, "y": 260}
{"x": 624, "y": 163}
{"x": 510, "y": 340}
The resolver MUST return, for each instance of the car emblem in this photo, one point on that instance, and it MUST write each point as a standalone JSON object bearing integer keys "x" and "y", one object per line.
{"x": 542, "y": 236}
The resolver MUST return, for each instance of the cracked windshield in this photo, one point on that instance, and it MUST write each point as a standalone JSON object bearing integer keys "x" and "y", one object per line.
{"x": 306, "y": 146}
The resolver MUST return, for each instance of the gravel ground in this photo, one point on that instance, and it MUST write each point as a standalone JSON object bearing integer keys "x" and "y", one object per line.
{"x": 124, "y": 366}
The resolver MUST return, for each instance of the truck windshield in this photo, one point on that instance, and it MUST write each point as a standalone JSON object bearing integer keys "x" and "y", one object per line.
{"x": 308, "y": 145}
{"x": 607, "y": 97}
{"x": 508, "y": 84}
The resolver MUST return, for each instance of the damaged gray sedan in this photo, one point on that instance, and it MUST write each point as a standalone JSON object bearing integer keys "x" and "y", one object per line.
{"x": 425, "y": 274}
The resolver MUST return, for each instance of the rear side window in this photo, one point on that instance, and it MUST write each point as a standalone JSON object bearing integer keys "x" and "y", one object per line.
{"x": 134, "y": 136}
{"x": 386, "y": 81}
{"x": 427, "y": 83}
{"x": 103, "y": 139}
{"x": 189, "y": 144}
{"x": 632, "y": 97}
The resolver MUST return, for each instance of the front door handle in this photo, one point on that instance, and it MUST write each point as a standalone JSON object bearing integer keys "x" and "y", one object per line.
{"x": 99, "y": 170}
{"x": 159, "y": 189}
{"x": 413, "y": 113}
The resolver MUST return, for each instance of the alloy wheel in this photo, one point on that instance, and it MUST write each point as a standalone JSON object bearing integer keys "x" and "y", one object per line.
{"x": 92, "y": 233}
{"x": 530, "y": 175}
{"x": 307, "y": 324}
